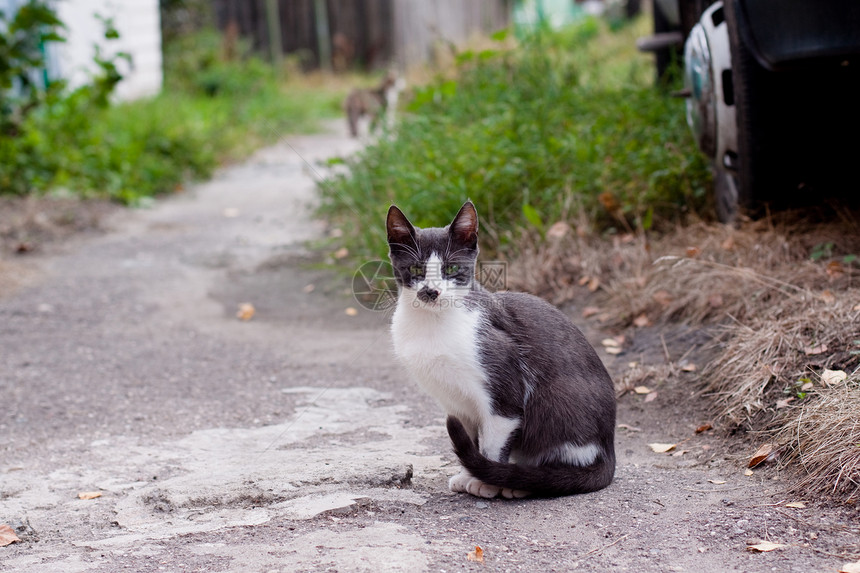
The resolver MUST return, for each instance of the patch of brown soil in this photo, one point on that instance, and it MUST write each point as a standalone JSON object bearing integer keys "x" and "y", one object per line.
{"x": 35, "y": 223}
{"x": 41, "y": 224}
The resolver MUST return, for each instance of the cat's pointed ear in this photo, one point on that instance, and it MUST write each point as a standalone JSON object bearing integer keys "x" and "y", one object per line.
{"x": 464, "y": 227}
{"x": 400, "y": 230}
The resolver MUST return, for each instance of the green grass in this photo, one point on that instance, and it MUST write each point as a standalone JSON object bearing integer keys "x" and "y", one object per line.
{"x": 139, "y": 149}
{"x": 210, "y": 111}
{"x": 559, "y": 126}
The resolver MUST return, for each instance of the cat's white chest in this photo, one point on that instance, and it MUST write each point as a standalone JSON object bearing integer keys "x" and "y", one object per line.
{"x": 440, "y": 351}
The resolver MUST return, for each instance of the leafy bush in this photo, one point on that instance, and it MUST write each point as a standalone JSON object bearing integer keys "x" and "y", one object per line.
{"x": 33, "y": 26}
{"x": 561, "y": 124}
{"x": 215, "y": 107}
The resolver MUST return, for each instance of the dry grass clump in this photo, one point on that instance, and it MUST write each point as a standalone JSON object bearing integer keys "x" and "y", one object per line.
{"x": 768, "y": 359}
{"x": 823, "y": 437}
{"x": 698, "y": 273}
{"x": 784, "y": 296}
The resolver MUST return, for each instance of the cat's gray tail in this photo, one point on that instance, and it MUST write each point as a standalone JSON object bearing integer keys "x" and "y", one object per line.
{"x": 545, "y": 481}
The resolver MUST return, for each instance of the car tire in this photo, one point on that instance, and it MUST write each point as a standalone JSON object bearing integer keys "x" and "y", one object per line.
{"x": 756, "y": 170}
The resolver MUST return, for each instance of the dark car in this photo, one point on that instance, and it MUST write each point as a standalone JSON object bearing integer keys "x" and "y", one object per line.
{"x": 773, "y": 91}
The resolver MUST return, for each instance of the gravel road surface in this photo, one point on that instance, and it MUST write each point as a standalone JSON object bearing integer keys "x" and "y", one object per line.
{"x": 292, "y": 441}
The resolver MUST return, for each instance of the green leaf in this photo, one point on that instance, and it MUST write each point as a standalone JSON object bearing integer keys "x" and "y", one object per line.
{"x": 532, "y": 216}
{"x": 448, "y": 88}
{"x": 464, "y": 56}
{"x": 821, "y": 251}
{"x": 500, "y": 35}
{"x": 648, "y": 219}
{"x": 848, "y": 259}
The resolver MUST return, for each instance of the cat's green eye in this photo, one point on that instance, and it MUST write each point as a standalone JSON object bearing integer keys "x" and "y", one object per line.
{"x": 416, "y": 270}
{"x": 451, "y": 269}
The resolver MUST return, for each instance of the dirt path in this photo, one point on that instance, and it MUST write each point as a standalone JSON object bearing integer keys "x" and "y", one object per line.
{"x": 292, "y": 442}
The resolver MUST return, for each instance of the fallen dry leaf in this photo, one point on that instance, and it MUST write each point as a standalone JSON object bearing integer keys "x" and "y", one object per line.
{"x": 688, "y": 367}
{"x": 717, "y": 481}
{"x": 629, "y": 428}
{"x": 651, "y": 397}
{"x": 89, "y": 494}
{"x": 659, "y": 448}
{"x": 693, "y": 252}
{"x": 558, "y": 230}
{"x": 662, "y": 297}
{"x": 704, "y": 428}
{"x": 763, "y": 546}
{"x": 308, "y": 288}
{"x": 341, "y": 253}
{"x": 590, "y": 311}
{"x": 780, "y": 404}
{"x": 583, "y": 280}
{"x": 593, "y": 284}
{"x": 715, "y": 300}
{"x": 246, "y": 311}
{"x": 748, "y": 472}
{"x": 828, "y": 297}
{"x": 812, "y": 350}
{"x": 642, "y": 321}
{"x": 612, "y": 345}
{"x": 767, "y": 452}
{"x": 477, "y": 555}
{"x": 609, "y": 202}
{"x": 680, "y": 453}
{"x": 850, "y": 568}
{"x": 728, "y": 244}
{"x": 350, "y": 311}
{"x": 7, "y": 535}
{"x": 835, "y": 269}
{"x": 831, "y": 377}
{"x": 796, "y": 505}
{"x": 642, "y": 390}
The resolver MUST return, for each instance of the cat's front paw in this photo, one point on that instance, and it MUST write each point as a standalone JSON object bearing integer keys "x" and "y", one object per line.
{"x": 480, "y": 489}
{"x": 463, "y": 482}
{"x": 509, "y": 493}
{"x": 458, "y": 483}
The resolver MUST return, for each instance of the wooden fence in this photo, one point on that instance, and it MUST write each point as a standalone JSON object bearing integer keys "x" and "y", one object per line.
{"x": 363, "y": 34}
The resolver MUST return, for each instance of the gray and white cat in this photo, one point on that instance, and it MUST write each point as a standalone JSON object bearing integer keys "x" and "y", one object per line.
{"x": 531, "y": 408}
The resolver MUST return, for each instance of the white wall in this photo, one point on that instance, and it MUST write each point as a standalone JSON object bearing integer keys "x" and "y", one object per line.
{"x": 138, "y": 23}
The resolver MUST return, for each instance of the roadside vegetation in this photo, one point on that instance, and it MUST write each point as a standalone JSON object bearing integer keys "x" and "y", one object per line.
{"x": 589, "y": 184}
{"x": 219, "y": 102}
{"x": 560, "y": 123}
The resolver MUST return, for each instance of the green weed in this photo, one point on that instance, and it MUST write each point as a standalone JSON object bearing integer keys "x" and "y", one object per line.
{"x": 213, "y": 108}
{"x": 532, "y": 135}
